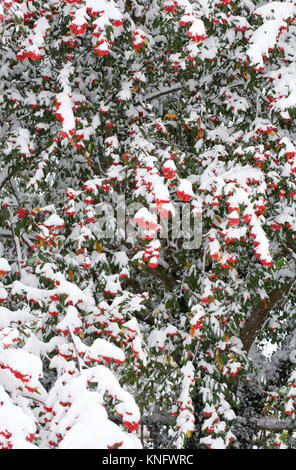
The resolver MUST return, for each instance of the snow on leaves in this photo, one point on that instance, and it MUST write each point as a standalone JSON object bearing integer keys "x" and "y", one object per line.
{"x": 72, "y": 407}
{"x": 276, "y": 16}
{"x": 33, "y": 46}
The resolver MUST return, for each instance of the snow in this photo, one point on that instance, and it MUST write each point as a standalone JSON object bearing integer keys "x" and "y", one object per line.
{"x": 15, "y": 422}
{"x": 4, "y": 266}
{"x": 278, "y": 10}
{"x": 54, "y": 221}
{"x": 8, "y": 317}
{"x": 100, "y": 349}
{"x": 263, "y": 39}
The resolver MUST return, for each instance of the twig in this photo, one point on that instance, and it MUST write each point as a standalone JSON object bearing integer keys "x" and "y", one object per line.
{"x": 161, "y": 93}
{"x": 74, "y": 344}
{"x": 15, "y": 239}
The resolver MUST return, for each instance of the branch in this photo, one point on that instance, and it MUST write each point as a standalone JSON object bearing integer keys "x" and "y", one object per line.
{"x": 165, "y": 91}
{"x": 18, "y": 249}
{"x": 5, "y": 233}
{"x": 79, "y": 362}
{"x": 273, "y": 424}
{"x": 27, "y": 240}
{"x": 4, "y": 175}
{"x": 259, "y": 314}
{"x": 277, "y": 298}
{"x": 8, "y": 217}
{"x": 169, "y": 280}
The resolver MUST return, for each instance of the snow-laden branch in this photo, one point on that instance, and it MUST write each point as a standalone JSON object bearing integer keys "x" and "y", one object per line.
{"x": 164, "y": 91}
{"x": 148, "y": 420}
{"x": 273, "y": 424}
{"x": 4, "y": 175}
